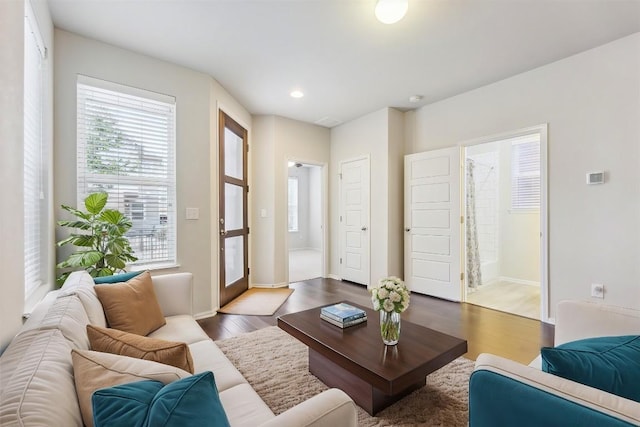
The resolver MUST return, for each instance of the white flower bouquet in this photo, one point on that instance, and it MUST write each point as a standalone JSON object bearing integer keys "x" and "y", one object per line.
{"x": 390, "y": 295}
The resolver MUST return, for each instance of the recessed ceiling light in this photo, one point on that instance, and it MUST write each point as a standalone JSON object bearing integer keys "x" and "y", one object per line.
{"x": 391, "y": 11}
{"x": 415, "y": 98}
{"x": 297, "y": 94}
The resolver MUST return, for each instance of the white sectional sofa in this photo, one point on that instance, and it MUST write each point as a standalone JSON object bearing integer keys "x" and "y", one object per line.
{"x": 36, "y": 371}
{"x": 501, "y": 390}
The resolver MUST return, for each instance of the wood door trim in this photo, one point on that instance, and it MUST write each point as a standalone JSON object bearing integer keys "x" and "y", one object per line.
{"x": 226, "y": 122}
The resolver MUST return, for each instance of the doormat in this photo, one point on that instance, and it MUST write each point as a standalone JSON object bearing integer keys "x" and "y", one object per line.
{"x": 257, "y": 302}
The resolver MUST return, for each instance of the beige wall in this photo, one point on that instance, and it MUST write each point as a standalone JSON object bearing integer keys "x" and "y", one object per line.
{"x": 377, "y": 135}
{"x": 12, "y": 303}
{"x": 591, "y": 102}
{"x": 275, "y": 140}
{"x": 197, "y": 98}
{"x": 519, "y": 247}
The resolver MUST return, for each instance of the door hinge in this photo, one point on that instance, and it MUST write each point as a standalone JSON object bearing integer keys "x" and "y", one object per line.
{"x": 340, "y": 175}
{"x": 340, "y": 260}
{"x": 461, "y": 219}
{"x": 248, "y": 271}
{"x": 248, "y": 230}
{"x": 461, "y": 276}
{"x": 340, "y": 218}
{"x": 247, "y": 188}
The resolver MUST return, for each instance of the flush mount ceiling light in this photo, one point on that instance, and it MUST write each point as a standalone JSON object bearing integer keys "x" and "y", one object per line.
{"x": 297, "y": 94}
{"x": 391, "y": 11}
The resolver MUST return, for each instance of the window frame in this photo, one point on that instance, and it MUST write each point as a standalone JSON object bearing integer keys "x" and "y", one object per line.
{"x": 37, "y": 159}
{"x": 520, "y": 202}
{"x": 125, "y": 202}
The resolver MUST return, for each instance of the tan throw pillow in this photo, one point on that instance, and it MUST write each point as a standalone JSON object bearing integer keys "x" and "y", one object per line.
{"x": 93, "y": 370}
{"x": 131, "y": 306}
{"x": 126, "y": 344}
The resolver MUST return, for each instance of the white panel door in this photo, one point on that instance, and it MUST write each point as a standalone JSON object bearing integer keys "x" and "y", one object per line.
{"x": 432, "y": 223}
{"x": 354, "y": 221}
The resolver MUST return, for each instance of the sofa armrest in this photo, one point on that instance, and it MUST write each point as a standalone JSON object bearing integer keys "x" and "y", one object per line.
{"x": 331, "y": 408}
{"x": 174, "y": 292}
{"x": 504, "y": 392}
{"x": 577, "y": 320}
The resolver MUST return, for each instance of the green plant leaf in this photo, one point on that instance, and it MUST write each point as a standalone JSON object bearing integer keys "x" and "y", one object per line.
{"x": 95, "y": 202}
{"x": 102, "y": 272}
{"x": 115, "y": 261}
{"x": 111, "y": 216}
{"x": 77, "y": 212}
{"x": 83, "y": 240}
{"x": 82, "y": 225}
{"x": 82, "y": 259}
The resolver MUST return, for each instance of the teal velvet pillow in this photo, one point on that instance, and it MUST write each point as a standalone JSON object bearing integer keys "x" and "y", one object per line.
{"x": 124, "y": 405}
{"x": 191, "y": 401}
{"x": 611, "y": 364}
{"x": 116, "y": 278}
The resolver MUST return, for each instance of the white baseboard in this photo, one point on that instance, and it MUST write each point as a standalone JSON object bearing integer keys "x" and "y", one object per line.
{"x": 334, "y": 277}
{"x": 519, "y": 281}
{"x": 305, "y": 249}
{"x": 204, "y": 315}
{"x": 270, "y": 285}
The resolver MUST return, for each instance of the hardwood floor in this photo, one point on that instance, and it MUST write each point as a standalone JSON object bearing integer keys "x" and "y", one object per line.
{"x": 486, "y": 331}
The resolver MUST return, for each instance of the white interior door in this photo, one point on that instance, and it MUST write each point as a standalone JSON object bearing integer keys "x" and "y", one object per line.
{"x": 432, "y": 223}
{"x": 354, "y": 220}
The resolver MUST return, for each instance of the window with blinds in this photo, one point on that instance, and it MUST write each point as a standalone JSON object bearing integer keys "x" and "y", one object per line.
{"x": 36, "y": 226}
{"x": 126, "y": 148}
{"x": 525, "y": 173}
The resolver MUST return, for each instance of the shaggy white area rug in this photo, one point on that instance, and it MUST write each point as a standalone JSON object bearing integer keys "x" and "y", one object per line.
{"x": 276, "y": 366}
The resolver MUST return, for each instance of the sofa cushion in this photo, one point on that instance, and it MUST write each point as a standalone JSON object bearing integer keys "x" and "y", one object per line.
{"x": 207, "y": 356}
{"x": 36, "y": 381}
{"x": 94, "y": 370}
{"x": 126, "y": 344}
{"x": 191, "y": 401}
{"x": 81, "y": 283}
{"x": 243, "y": 406}
{"x": 66, "y": 313}
{"x": 116, "y": 278}
{"x": 182, "y": 327}
{"x": 611, "y": 364}
{"x": 131, "y": 306}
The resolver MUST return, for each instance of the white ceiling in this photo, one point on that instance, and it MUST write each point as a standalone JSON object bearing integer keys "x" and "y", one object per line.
{"x": 335, "y": 51}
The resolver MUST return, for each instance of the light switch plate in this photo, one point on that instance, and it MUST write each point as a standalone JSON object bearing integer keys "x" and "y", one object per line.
{"x": 192, "y": 213}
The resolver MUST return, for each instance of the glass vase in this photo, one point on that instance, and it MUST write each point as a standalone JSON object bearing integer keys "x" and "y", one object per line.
{"x": 390, "y": 327}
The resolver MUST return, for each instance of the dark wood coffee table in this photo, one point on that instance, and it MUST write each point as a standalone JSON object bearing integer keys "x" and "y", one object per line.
{"x": 355, "y": 359}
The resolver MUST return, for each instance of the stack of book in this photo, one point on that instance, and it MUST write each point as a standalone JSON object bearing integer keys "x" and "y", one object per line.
{"x": 343, "y": 315}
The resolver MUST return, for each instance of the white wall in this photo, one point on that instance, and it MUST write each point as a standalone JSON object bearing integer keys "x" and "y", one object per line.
{"x": 12, "y": 303}
{"x": 519, "y": 231}
{"x": 377, "y": 135}
{"x": 315, "y": 208}
{"x": 197, "y": 97}
{"x": 591, "y": 102}
{"x": 279, "y": 139}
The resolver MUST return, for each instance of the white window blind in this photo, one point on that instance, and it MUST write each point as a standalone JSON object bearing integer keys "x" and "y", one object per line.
{"x": 126, "y": 147}
{"x": 525, "y": 173}
{"x": 293, "y": 204}
{"x": 35, "y": 197}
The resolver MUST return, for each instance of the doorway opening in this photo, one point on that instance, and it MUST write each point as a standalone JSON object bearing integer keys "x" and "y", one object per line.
{"x": 503, "y": 221}
{"x": 305, "y": 234}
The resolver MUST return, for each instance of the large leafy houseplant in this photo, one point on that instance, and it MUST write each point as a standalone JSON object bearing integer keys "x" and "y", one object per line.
{"x": 103, "y": 248}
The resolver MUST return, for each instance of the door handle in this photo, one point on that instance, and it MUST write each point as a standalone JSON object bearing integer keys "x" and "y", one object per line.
{"x": 364, "y": 228}
{"x": 223, "y": 233}
{"x": 407, "y": 229}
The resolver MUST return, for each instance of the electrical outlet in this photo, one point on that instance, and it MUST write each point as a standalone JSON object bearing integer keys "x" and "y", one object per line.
{"x": 597, "y": 290}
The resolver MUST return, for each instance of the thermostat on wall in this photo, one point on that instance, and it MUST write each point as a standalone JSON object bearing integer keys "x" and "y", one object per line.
{"x": 595, "y": 177}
